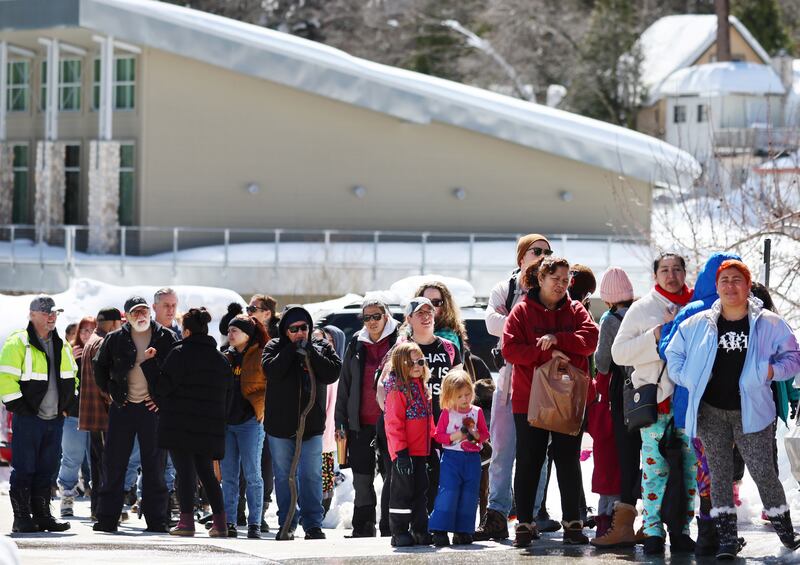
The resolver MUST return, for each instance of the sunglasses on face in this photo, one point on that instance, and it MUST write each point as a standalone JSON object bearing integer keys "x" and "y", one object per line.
{"x": 371, "y": 317}
{"x": 253, "y": 309}
{"x": 437, "y": 302}
{"x": 418, "y": 362}
{"x": 539, "y": 251}
{"x": 295, "y": 329}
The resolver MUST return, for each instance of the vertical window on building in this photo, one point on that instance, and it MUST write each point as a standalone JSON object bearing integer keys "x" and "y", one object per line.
{"x": 679, "y": 114}
{"x": 19, "y": 86}
{"x": 72, "y": 178}
{"x": 69, "y": 85}
{"x": 21, "y": 167}
{"x": 127, "y": 184}
{"x": 124, "y": 87}
{"x": 702, "y": 113}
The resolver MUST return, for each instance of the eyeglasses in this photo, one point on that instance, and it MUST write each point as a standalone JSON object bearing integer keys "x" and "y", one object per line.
{"x": 300, "y": 328}
{"x": 418, "y": 362}
{"x": 437, "y": 302}
{"x": 252, "y": 309}
{"x": 539, "y": 251}
{"x": 371, "y": 317}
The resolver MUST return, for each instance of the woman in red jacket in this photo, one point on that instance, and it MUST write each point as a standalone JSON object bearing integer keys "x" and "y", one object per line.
{"x": 546, "y": 325}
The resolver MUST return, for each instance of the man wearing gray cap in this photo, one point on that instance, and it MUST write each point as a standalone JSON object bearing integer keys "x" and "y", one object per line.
{"x": 127, "y": 368}
{"x": 38, "y": 384}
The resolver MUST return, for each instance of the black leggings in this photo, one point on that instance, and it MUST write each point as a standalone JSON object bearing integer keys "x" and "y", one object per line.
{"x": 531, "y": 454}
{"x": 189, "y": 467}
{"x": 629, "y": 447}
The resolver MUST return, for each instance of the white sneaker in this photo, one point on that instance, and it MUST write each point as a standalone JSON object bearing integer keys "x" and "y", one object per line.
{"x": 67, "y": 502}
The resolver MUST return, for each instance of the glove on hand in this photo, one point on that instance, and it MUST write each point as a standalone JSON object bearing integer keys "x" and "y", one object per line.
{"x": 403, "y": 463}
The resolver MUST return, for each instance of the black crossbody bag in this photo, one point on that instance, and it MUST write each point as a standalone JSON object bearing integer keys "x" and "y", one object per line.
{"x": 641, "y": 403}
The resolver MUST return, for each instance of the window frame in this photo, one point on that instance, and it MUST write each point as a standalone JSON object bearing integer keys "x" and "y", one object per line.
{"x": 702, "y": 113}
{"x": 15, "y": 169}
{"x": 96, "y": 72}
{"x": 127, "y": 170}
{"x": 62, "y": 86}
{"x": 12, "y": 87}
{"x": 679, "y": 111}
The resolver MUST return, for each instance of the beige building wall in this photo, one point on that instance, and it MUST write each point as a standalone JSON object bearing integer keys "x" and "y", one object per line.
{"x": 209, "y": 132}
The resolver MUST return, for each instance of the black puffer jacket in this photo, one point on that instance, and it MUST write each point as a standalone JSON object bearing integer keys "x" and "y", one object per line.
{"x": 194, "y": 386}
{"x": 117, "y": 357}
{"x": 288, "y": 383}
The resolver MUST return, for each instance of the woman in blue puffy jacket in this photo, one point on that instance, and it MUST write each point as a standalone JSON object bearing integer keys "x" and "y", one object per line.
{"x": 726, "y": 358}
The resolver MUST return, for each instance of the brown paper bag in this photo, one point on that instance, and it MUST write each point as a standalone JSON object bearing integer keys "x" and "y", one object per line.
{"x": 558, "y": 397}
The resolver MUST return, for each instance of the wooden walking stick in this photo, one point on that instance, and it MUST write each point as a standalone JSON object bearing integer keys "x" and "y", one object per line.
{"x": 283, "y": 534}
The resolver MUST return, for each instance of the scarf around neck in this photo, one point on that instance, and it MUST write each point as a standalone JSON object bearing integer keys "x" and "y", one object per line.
{"x": 681, "y": 298}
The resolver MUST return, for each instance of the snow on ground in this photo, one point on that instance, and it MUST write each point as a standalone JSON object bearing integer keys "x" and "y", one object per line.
{"x": 86, "y": 297}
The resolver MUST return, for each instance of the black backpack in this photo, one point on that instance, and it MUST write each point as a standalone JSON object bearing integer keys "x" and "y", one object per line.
{"x": 497, "y": 354}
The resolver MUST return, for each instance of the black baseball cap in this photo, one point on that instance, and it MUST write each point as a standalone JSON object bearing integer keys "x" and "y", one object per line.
{"x": 109, "y": 315}
{"x": 135, "y": 302}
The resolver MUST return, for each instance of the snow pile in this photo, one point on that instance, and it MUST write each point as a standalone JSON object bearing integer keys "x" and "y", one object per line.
{"x": 722, "y": 79}
{"x": 85, "y": 297}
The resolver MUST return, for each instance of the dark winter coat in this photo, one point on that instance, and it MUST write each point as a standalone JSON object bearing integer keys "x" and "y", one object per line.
{"x": 117, "y": 357}
{"x": 288, "y": 383}
{"x": 195, "y": 383}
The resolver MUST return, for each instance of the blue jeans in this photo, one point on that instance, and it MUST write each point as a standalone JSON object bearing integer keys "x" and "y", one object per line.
{"x": 504, "y": 448}
{"x": 243, "y": 444}
{"x": 35, "y": 452}
{"x": 309, "y": 480}
{"x": 132, "y": 474}
{"x": 74, "y": 449}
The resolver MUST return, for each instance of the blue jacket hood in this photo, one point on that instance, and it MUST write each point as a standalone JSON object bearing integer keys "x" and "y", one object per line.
{"x": 706, "y": 285}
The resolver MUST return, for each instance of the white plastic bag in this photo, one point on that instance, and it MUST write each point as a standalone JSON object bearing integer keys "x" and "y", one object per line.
{"x": 792, "y": 443}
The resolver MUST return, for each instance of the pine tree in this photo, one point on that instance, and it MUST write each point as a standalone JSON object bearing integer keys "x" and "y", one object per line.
{"x": 763, "y": 19}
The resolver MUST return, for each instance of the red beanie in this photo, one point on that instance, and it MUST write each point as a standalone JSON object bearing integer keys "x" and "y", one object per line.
{"x": 739, "y": 266}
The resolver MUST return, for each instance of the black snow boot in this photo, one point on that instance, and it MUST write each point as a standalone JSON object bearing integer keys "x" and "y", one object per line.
{"x": 728, "y": 532}
{"x": 40, "y": 506}
{"x": 21, "y": 505}
{"x": 707, "y": 538}
{"x": 783, "y": 527}
{"x": 494, "y": 525}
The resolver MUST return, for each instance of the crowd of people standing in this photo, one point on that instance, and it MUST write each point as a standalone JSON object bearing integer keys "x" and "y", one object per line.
{"x": 679, "y": 389}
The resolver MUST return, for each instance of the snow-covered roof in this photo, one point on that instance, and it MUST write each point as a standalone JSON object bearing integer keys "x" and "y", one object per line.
{"x": 675, "y": 42}
{"x": 793, "y": 97}
{"x": 720, "y": 79}
{"x": 322, "y": 70}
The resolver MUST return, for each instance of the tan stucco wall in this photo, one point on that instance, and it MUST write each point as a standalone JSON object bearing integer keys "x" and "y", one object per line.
{"x": 740, "y": 50}
{"x": 209, "y": 132}
{"x": 650, "y": 120}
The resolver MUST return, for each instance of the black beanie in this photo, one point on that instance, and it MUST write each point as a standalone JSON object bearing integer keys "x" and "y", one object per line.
{"x": 234, "y": 309}
{"x": 247, "y": 326}
{"x": 292, "y": 316}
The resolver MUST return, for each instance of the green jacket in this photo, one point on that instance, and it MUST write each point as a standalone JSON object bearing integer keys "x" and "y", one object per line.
{"x": 24, "y": 369}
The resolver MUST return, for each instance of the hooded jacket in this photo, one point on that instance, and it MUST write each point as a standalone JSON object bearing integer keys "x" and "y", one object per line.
{"x": 289, "y": 385}
{"x": 529, "y": 320}
{"x": 348, "y": 400}
{"x": 693, "y": 349}
{"x": 705, "y": 294}
{"x": 252, "y": 383}
{"x": 117, "y": 356}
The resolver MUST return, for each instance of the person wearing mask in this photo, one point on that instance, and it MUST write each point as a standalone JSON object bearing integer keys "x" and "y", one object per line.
{"x": 244, "y": 434}
{"x": 93, "y": 414}
{"x": 531, "y": 250}
{"x": 74, "y": 442}
{"x": 546, "y": 325}
{"x": 286, "y": 361}
{"x": 636, "y": 345}
{"x": 727, "y": 358}
{"x": 336, "y": 338}
{"x": 616, "y": 290}
{"x": 195, "y": 386}
{"x": 358, "y": 412}
{"x": 38, "y": 384}
{"x": 127, "y": 368}
{"x": 703, "y": 297}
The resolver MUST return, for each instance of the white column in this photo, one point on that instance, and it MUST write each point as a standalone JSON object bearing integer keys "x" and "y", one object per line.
{"x": 3, "y": 88}
{"x": 51, "y": 103}
{"x": 107, "y": 88}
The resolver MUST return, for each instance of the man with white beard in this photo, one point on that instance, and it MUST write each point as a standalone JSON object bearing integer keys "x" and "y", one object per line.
{"x": 128, "y": 368}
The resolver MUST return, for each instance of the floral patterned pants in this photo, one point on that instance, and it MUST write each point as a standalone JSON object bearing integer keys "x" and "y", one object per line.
{"x": 655, "y": 472}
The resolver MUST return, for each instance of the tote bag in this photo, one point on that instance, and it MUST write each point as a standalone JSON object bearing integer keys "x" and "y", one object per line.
{"x": 558, "y": 397}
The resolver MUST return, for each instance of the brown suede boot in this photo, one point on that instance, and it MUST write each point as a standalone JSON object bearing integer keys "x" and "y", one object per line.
{"x": 621, "y": 533}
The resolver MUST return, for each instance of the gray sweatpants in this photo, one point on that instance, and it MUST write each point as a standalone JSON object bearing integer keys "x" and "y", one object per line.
{"x": 719, "y": 430}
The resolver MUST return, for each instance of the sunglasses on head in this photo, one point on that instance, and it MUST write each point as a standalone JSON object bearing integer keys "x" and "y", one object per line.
{"x": 539, "y": 251}
{"x": 300, "y": 328}
{"x": 252, "y": 309}
{"x": 418, "y": 362}
{"x": 371, "y": 317}
{"x": 437, "y": 302}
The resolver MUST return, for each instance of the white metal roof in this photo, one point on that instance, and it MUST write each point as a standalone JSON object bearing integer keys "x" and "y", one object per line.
{"x": 720, "y": 79}
{"x": 322, "y": 70}
{"x": 675, "y": 42}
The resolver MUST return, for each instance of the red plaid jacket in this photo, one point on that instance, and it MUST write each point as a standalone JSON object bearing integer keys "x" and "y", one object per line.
{"x": 93, "y": 412}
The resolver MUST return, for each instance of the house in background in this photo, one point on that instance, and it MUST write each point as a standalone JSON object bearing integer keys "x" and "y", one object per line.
{"x": 144, "y": 113}
{"x": 703, "y": 105}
